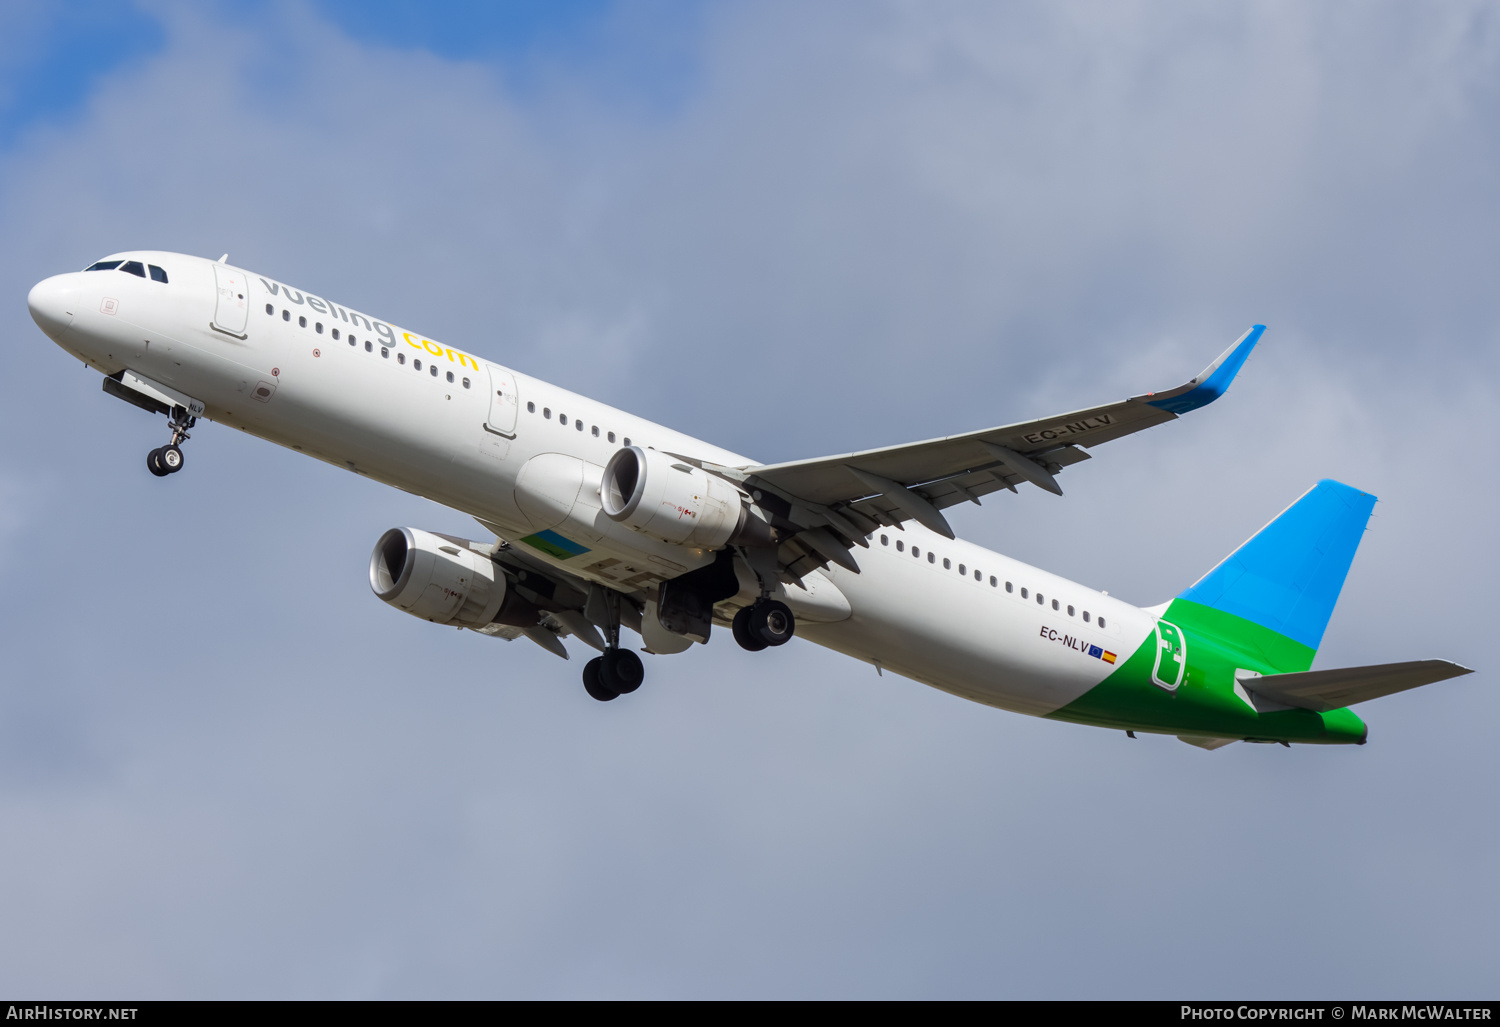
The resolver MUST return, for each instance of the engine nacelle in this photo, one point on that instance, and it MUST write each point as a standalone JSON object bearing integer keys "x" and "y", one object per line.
{"x": 661, "y": 496}
{"x": 435, "y": 579}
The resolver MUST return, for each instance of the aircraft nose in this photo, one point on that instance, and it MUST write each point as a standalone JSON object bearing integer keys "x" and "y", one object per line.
{"x": 52, "y": 302}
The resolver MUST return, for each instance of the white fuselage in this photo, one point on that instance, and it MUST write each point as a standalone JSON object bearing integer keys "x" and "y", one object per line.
{"x": 525, "y": 456}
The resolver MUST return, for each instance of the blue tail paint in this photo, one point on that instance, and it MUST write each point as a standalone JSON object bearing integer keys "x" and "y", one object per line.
{"x": 1288, "y": 576}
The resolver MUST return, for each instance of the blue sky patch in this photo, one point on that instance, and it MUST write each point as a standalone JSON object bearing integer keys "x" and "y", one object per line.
{"x": 57, "y": 55}
{"x": 640, "y": 52}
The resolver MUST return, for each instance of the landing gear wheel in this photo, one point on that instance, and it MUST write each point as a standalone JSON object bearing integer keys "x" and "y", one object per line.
{"x": 742, "y": 633}
{"x": 170, "y": 458}
{"x": 591, "y": 683}
{"x": 771, "y": 622}
{"x": 621, "y": 670}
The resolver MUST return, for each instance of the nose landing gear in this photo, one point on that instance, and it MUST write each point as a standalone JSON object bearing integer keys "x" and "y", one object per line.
{"x": 168, "y": 459}
{"x": 164, "y": 461}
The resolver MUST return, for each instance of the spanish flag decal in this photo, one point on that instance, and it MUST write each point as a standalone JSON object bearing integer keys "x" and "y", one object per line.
{"x": 1108, "y": 656}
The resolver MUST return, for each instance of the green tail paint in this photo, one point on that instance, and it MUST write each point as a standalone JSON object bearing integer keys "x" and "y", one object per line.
{"x": 1263, "y": 609}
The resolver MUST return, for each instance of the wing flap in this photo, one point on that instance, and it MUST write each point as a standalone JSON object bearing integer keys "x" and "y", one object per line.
{"x": 1325, "y": 690}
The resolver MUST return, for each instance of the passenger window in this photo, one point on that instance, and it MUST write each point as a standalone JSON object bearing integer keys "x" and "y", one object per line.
{"x": 1054, "y": 604}
{"x": 301, "y": 322}
{"x": 400, "y": 357}
{"x": 885, "y": 540}
{"x": 369, "y": 346}
{"x": 1101, "y": 622}
{"x": 335, "y": 333}
{"x": 466, "y": 383}
{"x": 270, "y": 309}
{"x": 562, "y": 418}
{"x": 1023, "y": 593}
{"x": 157, "y": 274}
{"x": 578, "y": 425}
{"x": 1085, "y": 616}
{"x": 530, "y": 407}
{"x": 1008, "y": 586}
{"x": 385, "y": 352}
{"x": 104, "y": 265}
{"x": 900, "y": 546}
{"x": 450, "y": 376}
{"x": 916, "y": 552}
{"x": 134, "y": 267}
{"x": 286, "y": 315}
{"x": 1070, "y": 611}
{"x": 994, "y": 582}
{"x": 978, "y": 576}
{"x": 931, "y": 557}
{"x": 417, "y": 363}
{"x": 1039, "y": 600}
{"x": 627, "y": 440}
{"x": 353, "y": 341}
{"x": 432, "y": 369}
{"x": 611, "y": 436}
{"x": 947, "y": 564}
{"x": 547, "y": 413}
{"x": 318, "y": 327}
{"x": 596, "y": 431}
{"x": 962, "y": 569}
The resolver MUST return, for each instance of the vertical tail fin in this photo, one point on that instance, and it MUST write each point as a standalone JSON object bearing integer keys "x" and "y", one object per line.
{"x": 1288, "y": 576}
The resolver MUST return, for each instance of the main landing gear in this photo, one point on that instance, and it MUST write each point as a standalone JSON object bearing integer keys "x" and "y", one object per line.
{"x": 168, "y": 459}
{"x": 766, "y": 622}
{"x": 619, "y": 671}
{"x": 616, "y": 673}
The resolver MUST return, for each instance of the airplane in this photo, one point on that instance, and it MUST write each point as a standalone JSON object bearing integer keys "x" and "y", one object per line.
{"x": 603, "y": 521}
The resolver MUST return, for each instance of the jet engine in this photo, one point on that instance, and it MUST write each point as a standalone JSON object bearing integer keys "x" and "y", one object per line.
{"x": 661, "y": 496}
{"x": 438, "y": 580}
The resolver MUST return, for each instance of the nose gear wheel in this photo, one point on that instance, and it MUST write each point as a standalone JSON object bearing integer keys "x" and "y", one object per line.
{"x": 168, "y": 459}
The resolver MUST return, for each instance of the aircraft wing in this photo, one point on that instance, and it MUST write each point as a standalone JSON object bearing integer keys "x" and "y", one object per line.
{"x": 853, "y": 493}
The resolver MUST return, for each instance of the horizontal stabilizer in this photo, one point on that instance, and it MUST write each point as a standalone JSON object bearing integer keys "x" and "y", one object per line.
{"x": 1325, "y": 690}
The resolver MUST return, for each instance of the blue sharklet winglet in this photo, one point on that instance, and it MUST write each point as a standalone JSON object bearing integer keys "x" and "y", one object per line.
{"x": 1213, "y": 381}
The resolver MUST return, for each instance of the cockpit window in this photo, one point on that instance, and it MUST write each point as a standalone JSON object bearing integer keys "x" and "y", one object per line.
{"x": 104, "y": 265}
{"x": 158, "y": 275}
{"x": 134, "y": 267}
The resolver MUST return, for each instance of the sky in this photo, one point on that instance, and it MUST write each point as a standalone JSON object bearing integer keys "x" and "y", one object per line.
{"x": 228, "y": 771}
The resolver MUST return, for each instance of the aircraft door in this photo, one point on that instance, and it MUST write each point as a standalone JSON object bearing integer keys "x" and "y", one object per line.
{"x": 232, "y": 307}
{"x": 504, "y": 406}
